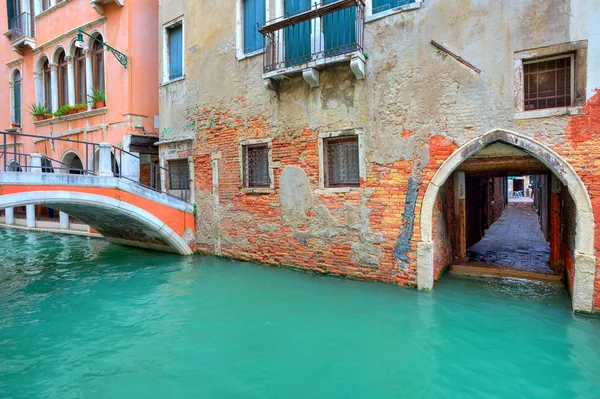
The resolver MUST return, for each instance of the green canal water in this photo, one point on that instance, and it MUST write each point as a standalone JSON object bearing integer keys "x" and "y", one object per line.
{"x": 81, "y": 318}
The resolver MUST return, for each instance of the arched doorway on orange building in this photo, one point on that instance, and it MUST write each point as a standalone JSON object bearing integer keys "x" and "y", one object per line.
{"x": 579, "y": 258}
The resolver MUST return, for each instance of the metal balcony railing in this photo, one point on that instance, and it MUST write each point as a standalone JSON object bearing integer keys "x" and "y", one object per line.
{"x": 22, "y": 26}
{"x": 328, "y": 29}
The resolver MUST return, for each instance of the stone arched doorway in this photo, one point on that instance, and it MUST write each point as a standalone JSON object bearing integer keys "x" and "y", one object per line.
{"x": 584, "y": 256}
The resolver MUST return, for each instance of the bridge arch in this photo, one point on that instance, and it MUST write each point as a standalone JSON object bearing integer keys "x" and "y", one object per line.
{"x": 118, "y": 221}
{"x": 584, "y": 257}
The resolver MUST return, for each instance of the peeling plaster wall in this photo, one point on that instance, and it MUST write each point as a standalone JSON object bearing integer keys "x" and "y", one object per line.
{"x": 415, "y": 107}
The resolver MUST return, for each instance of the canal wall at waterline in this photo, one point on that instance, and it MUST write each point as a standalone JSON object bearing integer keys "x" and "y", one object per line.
{"x": 338, "y": 169}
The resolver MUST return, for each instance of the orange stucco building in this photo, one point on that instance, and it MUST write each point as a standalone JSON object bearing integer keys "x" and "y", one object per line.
{"x": 43, "y": 64}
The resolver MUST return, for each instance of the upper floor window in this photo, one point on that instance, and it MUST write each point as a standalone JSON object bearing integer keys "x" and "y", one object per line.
{"x": 16, "y": 97}
{"x": 98, "y": 64}
{"x": 45, "y": 5}
{"x": 548, "y": 82}
{"x": 80, "y": 78}
{"x": 385, "y": 5}
{"x": 174, "y": 56}
{"x": 47, "y": 85}
{"x": 254, "y": 16}
{"x": 63, "y": 80}
{"x": 13, "y": 8}
{"x": 341, "y": 163}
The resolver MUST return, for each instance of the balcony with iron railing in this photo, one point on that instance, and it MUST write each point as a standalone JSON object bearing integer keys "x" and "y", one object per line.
{"x": 306, "y": 41}
{"x": 22, "y": 32}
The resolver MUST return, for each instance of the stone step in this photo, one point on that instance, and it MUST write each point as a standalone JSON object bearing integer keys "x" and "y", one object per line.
{"x": 484, "y": 270}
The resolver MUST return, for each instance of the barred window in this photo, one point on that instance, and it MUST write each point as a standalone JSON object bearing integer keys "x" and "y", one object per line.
{"x": 341, "y": 164}
{"x": 180, "y": 179}
{"x": 548, "y": 83}
{"x": 256, "y": 165}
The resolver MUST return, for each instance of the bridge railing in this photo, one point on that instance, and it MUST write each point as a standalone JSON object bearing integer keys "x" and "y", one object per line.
{"x": 122, "y": 163}
{"x": 13, "y": 159}
{"x": 177, "y": 184}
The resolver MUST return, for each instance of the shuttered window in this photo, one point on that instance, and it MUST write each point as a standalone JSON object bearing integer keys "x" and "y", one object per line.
{"x": 180, "y": 178}
{"x": 341, "y": 163}
{"x": 384, "y": 5}
{"x": 175, "y": 37}
{"x": 254, "y": 15}
{"x": 17, "y": 98}
{"x": 256, "y": 165}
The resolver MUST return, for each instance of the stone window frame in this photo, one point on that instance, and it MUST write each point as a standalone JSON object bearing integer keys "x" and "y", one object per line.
{"x": 239, "y": 30}
{"x": 579, "y": 50}
{"x": 323, "y": 136}
{"x": 165, "y": 50}
{"x": 369, "y": 16}
{"x": 163, "y": 162}
{"x": 271, "y": 167}
{"x": 13, "y": 117}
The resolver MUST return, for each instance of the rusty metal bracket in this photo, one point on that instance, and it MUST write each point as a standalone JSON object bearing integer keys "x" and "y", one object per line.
{"x": 455, "y": 56}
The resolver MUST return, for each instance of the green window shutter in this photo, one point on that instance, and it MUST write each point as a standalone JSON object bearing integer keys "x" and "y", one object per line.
{"x": 176, "y": 52}
{"x": 10, "y": 7}
{"x": 254, "y": 15}
{"x": 384, "y": 5}
{"x": 297, "y": 37}
{"x": 17, "y": 98}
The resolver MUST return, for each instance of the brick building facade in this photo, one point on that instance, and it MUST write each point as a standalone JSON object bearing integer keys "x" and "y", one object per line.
{"x": 347, "y": 152}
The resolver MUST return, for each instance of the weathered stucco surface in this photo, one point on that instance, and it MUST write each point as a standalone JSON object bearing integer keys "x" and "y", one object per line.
{"x": 416, "y": 106}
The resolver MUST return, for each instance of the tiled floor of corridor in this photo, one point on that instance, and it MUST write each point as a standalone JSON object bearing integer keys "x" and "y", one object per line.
{"x": 514, "y": 241}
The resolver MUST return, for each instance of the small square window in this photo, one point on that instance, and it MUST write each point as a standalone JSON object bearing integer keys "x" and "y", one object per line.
{"x": 179, "y": 179}
{"x": 256, "y": 165}
{"x": 174, "y": 38}
{"x": 341, "y": 163}
{"x": 548, "y": 83}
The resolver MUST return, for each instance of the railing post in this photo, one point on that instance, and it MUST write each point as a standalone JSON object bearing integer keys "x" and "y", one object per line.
{"x": 36, "y": 163}
{"x": 104, "y": 169}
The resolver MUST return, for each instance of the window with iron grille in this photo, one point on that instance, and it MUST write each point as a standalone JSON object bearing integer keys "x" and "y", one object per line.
{"x": 548, "y": 83}
{"x": 180, "y": 178}
{"x": 256, "y": 165}
{"x": 341, "y": 163}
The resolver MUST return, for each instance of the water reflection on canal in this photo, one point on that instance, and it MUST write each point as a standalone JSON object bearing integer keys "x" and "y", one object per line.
{"x": 81, "y": 318}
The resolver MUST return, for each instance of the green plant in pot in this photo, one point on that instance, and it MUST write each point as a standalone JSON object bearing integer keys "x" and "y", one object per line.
{"x": 98, "y": 97}
{"x": 48, "y": 115}
{"x": 38, "y": 111}
{"x": 62, "y": 111}
{"x": 71, "y": 109}
{"x": 81, "y": 107}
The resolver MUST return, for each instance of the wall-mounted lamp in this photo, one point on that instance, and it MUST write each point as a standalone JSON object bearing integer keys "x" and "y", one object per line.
{"x": 122, "y": 58}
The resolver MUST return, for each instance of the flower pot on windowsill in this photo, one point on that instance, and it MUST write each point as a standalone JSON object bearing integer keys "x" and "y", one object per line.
{"x": 100, "y": 104}
{"x": 48, "y": 117}
{"x": 14, "y": 125}
{"x": 39, "y": 118}
{"x": 73, "y": 111}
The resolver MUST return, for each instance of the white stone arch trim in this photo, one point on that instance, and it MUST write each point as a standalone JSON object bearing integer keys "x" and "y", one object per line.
{"x": 585, "y": 259}
{"x": 66, "y": 158}
{"x": 106, "y": 203}
{"x": 94, "y": 158}
{"x": 95, "y": 32}
{"x": 13, "y": 72}
{"x": 56, "y": 52}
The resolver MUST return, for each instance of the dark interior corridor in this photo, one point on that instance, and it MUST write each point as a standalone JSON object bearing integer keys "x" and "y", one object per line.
{"x": 514, "y": 241}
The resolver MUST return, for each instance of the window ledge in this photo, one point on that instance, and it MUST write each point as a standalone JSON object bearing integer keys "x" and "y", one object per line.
{"x": 13, "y": 130}
{"x": 168, "y": 82}
{"x": 257, "y": 190}
{"x": 337, "y": 190}
{"x": 79, "y": 115}
{"x": 548, "y": 112}
{"x": 51, "y": 9}
{"x": 383, "y": 14}
{"x": 251, "y": 54}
